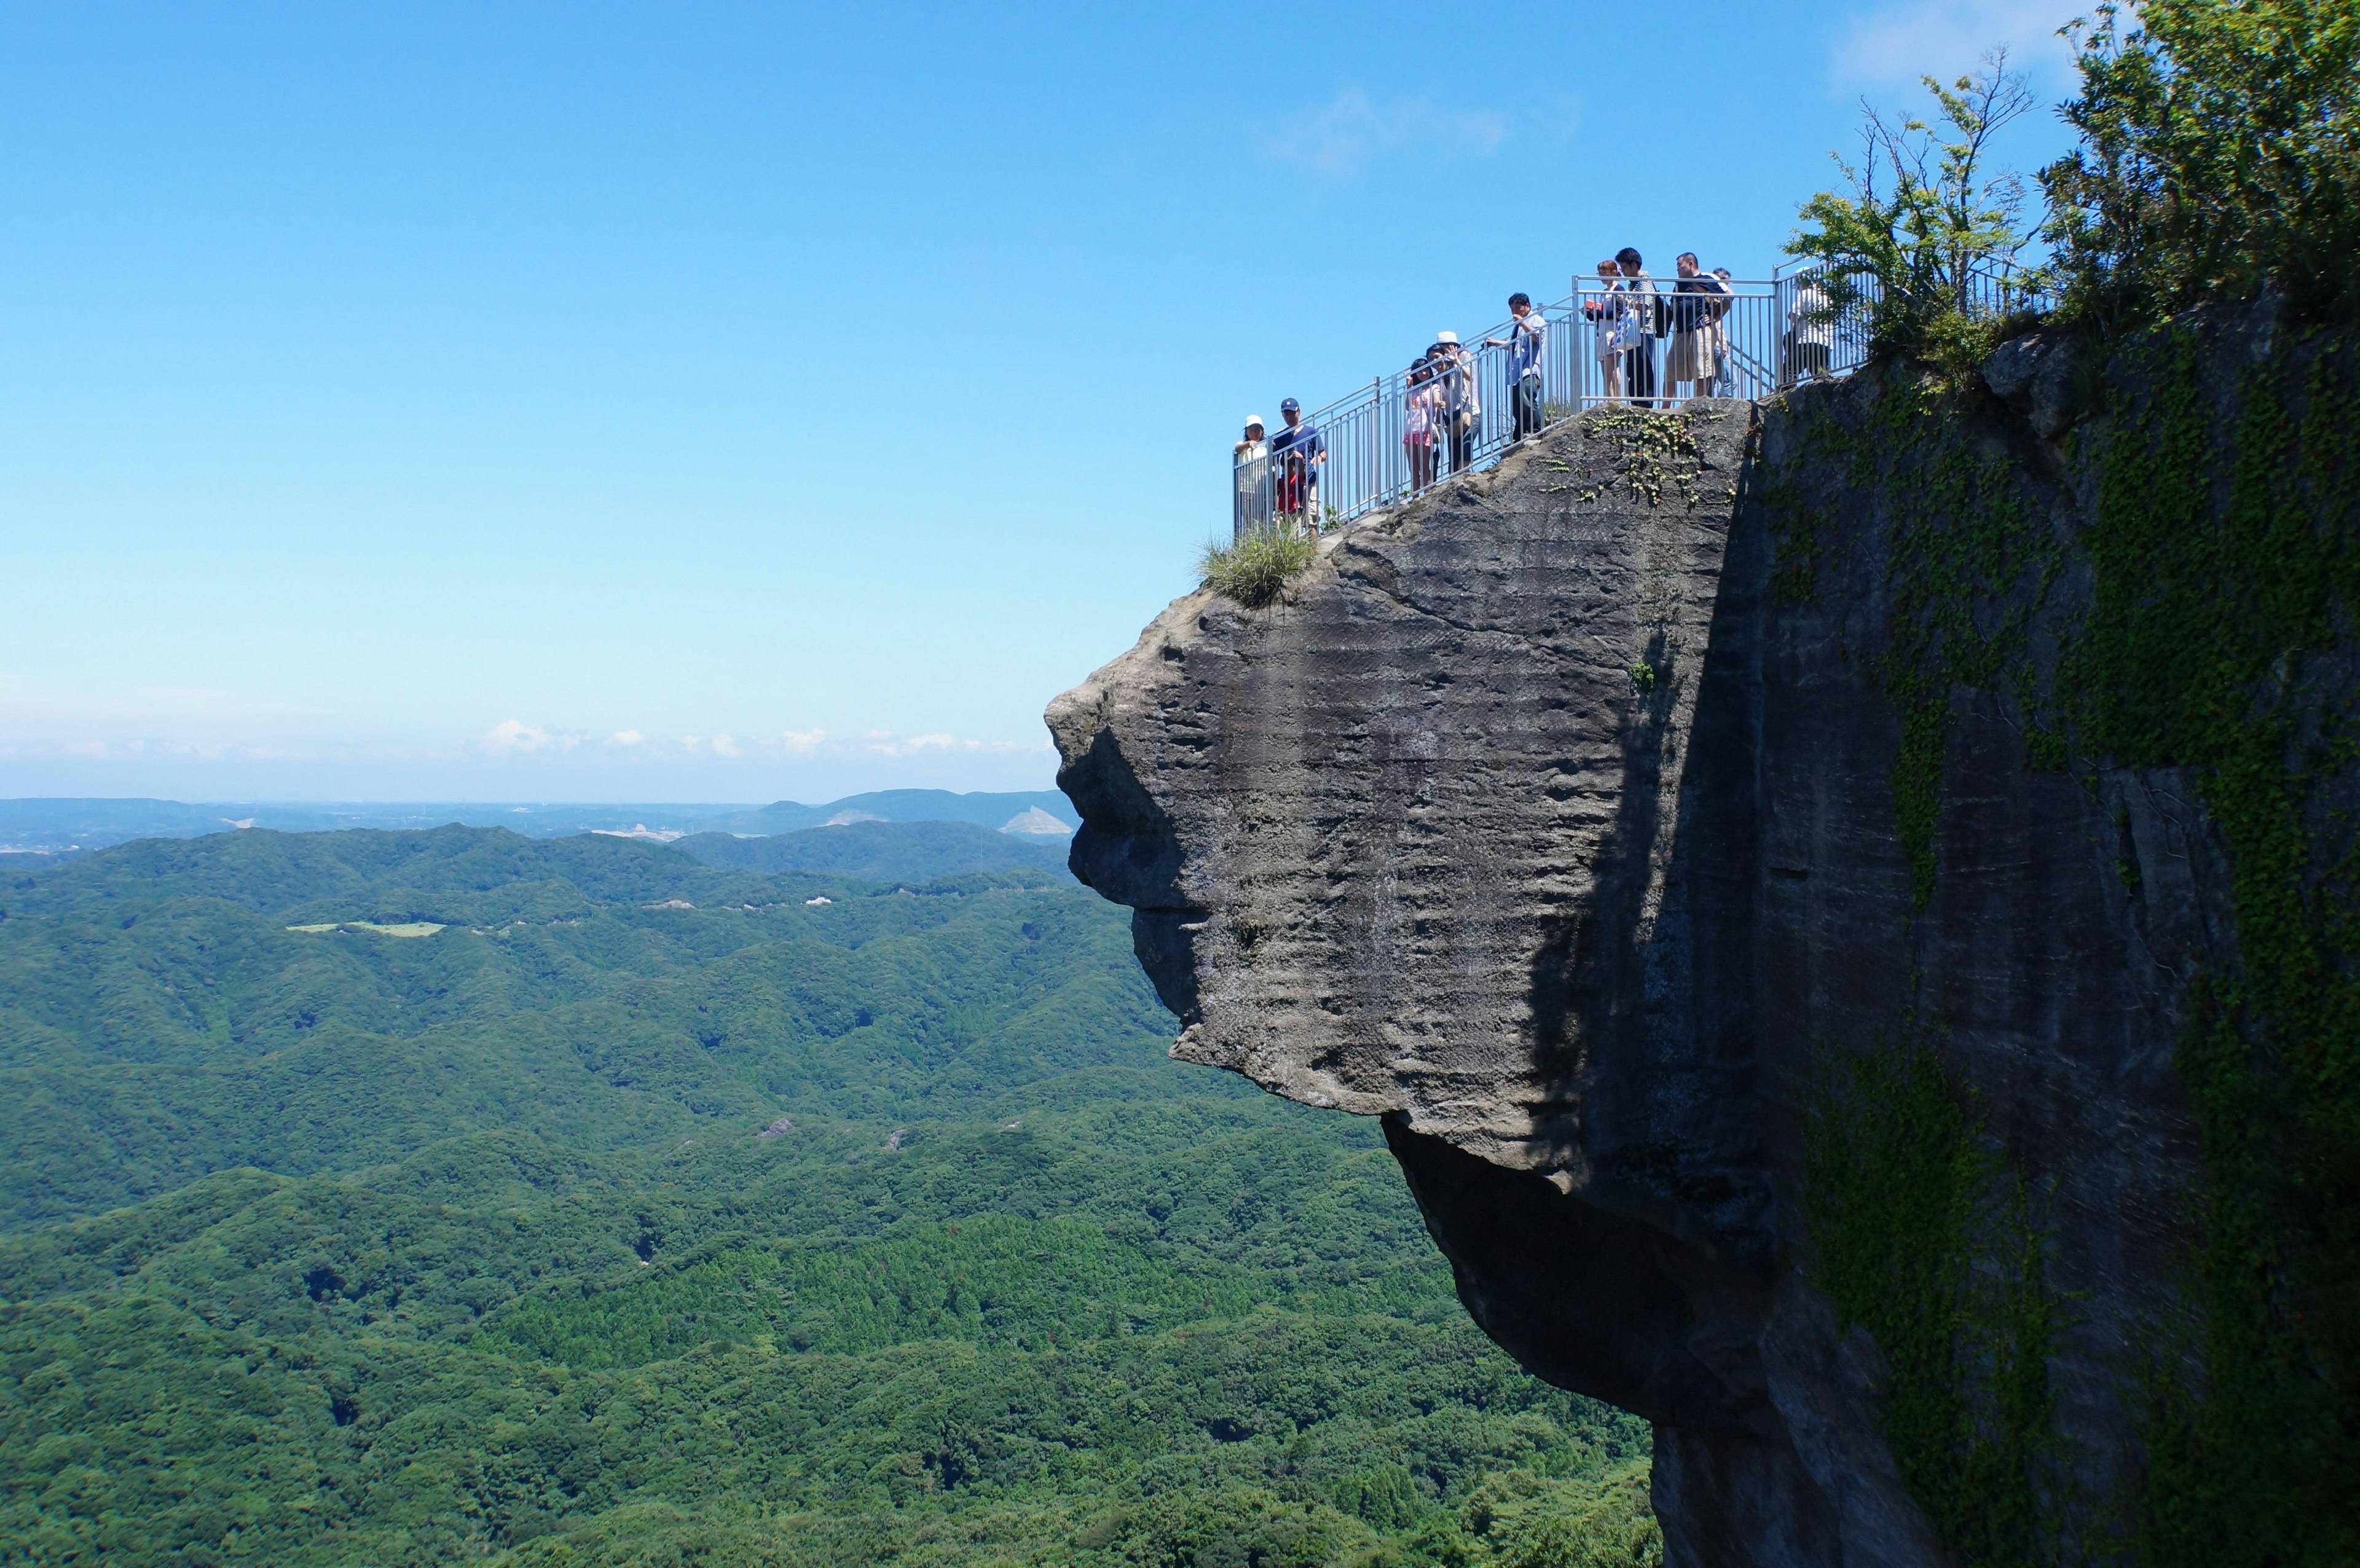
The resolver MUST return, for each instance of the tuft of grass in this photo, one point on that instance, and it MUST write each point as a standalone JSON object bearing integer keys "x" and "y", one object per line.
{"x": 1256, "y": 570}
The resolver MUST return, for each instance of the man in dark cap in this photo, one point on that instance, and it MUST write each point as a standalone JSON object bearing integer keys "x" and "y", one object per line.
{"x": 1296, "y": 452}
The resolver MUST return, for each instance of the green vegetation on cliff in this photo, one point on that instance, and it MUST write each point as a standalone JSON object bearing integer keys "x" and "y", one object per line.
{"x": 2226, "y": 550}
{"x": 651, "y": 1212}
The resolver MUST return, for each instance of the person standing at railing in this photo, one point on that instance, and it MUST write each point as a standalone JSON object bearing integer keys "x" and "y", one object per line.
{"x": 1726, "y": 384}
{"x": 1698, "y": 303}
{"x": 1249, "y": 460}
{"x": 1526, "y": 345}
{"x": 1810, "y": 332}
{"x": 1605, "y": 314}
{"x": 1463, "y": 404}
{"x": 1422, "y": 417}
{"x": 1644, "y": 310}
{"x": 1296, "y": 454}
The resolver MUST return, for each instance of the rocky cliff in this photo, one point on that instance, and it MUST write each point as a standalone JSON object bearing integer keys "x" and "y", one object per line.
{"x": 1761, "y": 864}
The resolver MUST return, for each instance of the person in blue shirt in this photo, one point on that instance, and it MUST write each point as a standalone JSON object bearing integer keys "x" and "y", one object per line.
{"x": 1296, "y": 452}
{"x": 1526, "y": 345}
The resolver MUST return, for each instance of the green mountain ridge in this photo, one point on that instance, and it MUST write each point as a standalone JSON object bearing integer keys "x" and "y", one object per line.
{"x": 649, "y": 1211}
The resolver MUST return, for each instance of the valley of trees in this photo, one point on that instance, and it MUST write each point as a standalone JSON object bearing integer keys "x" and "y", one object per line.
{"x": 651, "y": 1211}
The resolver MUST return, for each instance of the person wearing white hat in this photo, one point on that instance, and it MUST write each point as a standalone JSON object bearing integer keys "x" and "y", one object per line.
{"x": 1462, "y": 407}
{"x": 1251, "y": 470}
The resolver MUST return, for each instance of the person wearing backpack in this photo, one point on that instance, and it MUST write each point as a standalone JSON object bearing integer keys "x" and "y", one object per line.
{"x": 1696, "y": 306}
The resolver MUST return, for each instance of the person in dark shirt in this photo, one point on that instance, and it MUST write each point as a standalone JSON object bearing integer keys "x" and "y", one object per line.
{"x": 1698, "y": 301}
{"x": 1296, "y": 452}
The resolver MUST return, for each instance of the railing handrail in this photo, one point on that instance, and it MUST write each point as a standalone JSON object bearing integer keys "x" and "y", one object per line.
{"x": 1557, "y": 309}
{"x": 1380, "y": 447}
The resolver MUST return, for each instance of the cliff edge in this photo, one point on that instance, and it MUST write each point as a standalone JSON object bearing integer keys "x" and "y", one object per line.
{"x": 1706, "y": 840}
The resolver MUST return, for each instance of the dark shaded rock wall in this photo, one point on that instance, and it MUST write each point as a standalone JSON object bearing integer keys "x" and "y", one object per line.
{"x": 1554, "y": 821}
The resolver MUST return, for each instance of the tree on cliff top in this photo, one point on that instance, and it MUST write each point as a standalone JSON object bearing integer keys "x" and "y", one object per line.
{"x": 1929, "y": 238}
{"x": 2220, "y": 154}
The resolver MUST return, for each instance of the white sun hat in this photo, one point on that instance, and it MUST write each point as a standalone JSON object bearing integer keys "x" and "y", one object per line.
{"x": 1450, "y": 338}
{"x": 1255, "y": 420}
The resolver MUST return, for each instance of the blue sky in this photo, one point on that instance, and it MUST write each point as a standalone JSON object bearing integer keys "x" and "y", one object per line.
{"x": 717, "y": 402}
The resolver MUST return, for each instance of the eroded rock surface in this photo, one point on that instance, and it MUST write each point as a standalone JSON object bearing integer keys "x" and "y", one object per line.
{"x": 1553, "y": 819}
{"x": 1464, "y": 835}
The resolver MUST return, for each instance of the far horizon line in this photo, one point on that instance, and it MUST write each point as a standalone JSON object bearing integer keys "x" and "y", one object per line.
{"x": 510, "y": 803}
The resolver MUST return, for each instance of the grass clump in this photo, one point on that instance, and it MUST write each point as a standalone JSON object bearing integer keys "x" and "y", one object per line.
{"x": 1256, "y": 569}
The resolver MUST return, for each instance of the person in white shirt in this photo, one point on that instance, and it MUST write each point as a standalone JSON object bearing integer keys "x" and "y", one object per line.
{"x": 1605, "y": 314}
{"x": 1251, "y": 473}
{"x": 1811, "y": 332}
{"x": 1726, "y": 385}
{"x": 1525, "y": 346}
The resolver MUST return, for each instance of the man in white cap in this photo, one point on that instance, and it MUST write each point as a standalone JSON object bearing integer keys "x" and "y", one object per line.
{"x": 1251, "y": 470}
{"x": 1462, "y": 408}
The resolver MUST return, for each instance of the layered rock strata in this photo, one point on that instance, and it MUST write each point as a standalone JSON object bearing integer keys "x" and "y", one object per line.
{"x": 1556, "y": 819}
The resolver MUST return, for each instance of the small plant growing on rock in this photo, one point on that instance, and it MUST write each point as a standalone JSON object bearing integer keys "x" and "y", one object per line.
{"x": 1642, "y": 678}
{"x": 1256, "y": 570}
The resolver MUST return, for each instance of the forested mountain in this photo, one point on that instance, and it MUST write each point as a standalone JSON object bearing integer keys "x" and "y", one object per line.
{"x": 405, "y": 1197}
{"x": 883, "y": 851}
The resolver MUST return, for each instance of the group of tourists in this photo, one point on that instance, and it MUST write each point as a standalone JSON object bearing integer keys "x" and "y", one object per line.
{"x": 1629, "y": 315}
{"x": 1631, "y": 311}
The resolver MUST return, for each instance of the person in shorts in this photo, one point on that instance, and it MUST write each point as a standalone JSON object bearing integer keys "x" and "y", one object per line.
{"x": 1422, "y": 416}
{"x": 1604, "y": 313}
{"x": 1696, "y": 307}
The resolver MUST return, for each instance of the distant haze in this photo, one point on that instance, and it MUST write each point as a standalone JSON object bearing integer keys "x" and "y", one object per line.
{"x": 55, "y": 825}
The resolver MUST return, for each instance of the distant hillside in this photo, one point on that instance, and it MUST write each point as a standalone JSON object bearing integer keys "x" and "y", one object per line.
{"x": 986, "y": 810}
{"x": 883, "y": 852}
{"x": 63, "y": 824}
{"x": 159, "y": 1019}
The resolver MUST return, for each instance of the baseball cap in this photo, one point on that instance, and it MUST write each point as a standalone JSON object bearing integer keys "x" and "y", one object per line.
{"x": 1450, "y": 338}
{"x": 1289, "y": 406}
{"x": 1254, "y": 418}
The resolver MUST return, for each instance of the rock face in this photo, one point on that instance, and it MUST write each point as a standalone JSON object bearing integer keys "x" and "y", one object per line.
{"x": 1555, "y": 818}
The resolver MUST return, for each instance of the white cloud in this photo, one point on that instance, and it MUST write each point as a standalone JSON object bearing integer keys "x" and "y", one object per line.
{"x": 512, "y": 736}
{"x": 723, "y": 745}
{"x": 803, "y": 743}
{"x": 1895, "y": 45}
{"x": 883, "y": 744}
{"x": 1340, "y": 137}
{"x": 626, "y": 738}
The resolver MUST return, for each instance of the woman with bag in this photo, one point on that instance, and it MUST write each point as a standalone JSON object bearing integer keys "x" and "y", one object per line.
{"x": 1605, "y": 314}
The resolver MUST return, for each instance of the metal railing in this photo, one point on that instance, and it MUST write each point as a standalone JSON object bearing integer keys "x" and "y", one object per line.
{"x": 1649, "y": 344}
